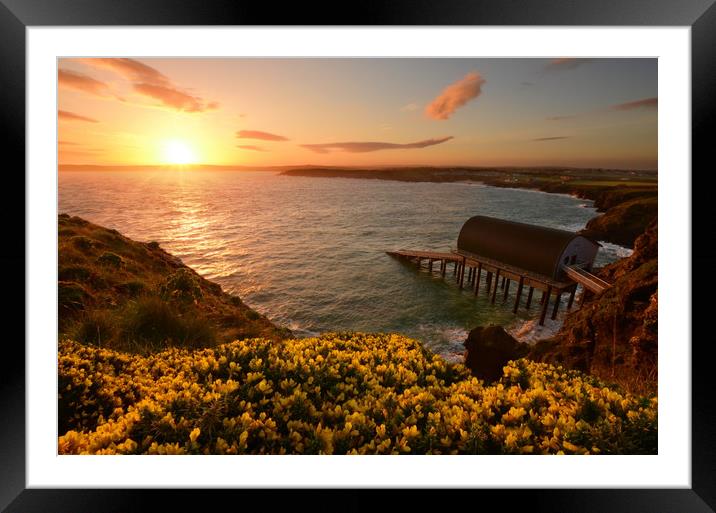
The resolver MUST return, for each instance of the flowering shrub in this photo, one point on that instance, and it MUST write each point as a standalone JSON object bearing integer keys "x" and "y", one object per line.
{"x": 182, "y": 286}
{"x": 342, "y": 393}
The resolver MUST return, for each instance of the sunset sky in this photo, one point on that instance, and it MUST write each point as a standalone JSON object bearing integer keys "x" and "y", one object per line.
{"x": 480, "y": 112}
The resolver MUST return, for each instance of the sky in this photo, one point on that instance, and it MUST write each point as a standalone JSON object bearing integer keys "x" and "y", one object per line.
{"x": 358, "y": 112}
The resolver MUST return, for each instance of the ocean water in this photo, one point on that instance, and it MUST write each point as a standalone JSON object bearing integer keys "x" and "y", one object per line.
{"x": 310, "y": 252}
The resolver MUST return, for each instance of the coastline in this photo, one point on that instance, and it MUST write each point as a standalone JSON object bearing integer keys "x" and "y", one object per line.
{"x": 626, "y": 201}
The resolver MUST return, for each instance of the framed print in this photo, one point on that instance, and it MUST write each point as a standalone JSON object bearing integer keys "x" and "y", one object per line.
{"x": 412, "y": 248}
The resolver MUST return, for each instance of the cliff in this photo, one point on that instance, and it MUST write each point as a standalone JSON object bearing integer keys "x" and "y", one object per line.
{"x": 614, "y": 335}
{"x": 119, "y": 293}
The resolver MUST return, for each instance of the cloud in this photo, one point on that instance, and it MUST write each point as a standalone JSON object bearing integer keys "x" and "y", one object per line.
{"x": 257, "y": 134}
{"x": 80, "y": 82}
{"x": 250, "y": 147}
{"x": 410, "y": 107}
{"x": 455, "y": 96}
{"x": 554, "y": 138}
{"x": 365, "y": 147}
{"x": 64, "y": 115}
{"x": 559, "y": 118}
{"x": 174, "y": 98}
{"x": 90, "y": 151}
{"x": 565, "y": 63}
{"x": 67, "y": 143}
{"x": 647, "y": 103}
{"x": 130, "y": 69}
{"x": 527, "y": 84}
{"x": 150, "y": 82}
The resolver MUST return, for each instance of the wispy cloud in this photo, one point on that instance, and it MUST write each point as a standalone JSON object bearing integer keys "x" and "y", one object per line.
{"x": 174, "y": 98}
{"x": 151, "y": 83}
{"x": 64, "y": 115}
{"x": 258, "y": 134}
{"x": 455, "y": 96}
{"x": 67, "y": 143}
{"x": 527, "y": 84}
{"x": 80, "y": 82}
{"x": 130, "y": 69}
{"x": 565, "y": 63}
{"x": 365, "y": 147}
{"x": 250, "y": 147}
{"x": 646, "y": 103}
{"x": 410, "y": 107}
{"x": 553, "y": 138}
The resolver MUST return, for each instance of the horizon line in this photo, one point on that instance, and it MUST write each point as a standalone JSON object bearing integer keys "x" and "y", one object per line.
{"x": 99, "y": 167}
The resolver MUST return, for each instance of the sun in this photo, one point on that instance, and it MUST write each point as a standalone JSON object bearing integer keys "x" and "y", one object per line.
{"x": 178, "y": 152}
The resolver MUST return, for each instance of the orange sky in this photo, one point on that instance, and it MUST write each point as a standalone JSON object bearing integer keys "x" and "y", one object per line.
{"x": 493, "y": 112}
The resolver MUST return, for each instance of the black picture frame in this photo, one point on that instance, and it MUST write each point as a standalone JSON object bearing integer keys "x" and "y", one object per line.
{"x": 17, "y": 15}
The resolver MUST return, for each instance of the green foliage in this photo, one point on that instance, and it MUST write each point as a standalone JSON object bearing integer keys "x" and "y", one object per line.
{"x": 131, "y": 288}
{"x": 97, "y": 327}
{"x": 253, "y": 315}
{"x": 83, "y": 243}
{"x": 151, "y": 322}
{"x": 71, "y": 296}
{"x": 110, "y": 260}
{"x": 181, "y": 286}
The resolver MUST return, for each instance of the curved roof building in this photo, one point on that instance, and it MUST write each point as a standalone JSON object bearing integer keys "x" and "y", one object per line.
{"x": 533, "y": 248}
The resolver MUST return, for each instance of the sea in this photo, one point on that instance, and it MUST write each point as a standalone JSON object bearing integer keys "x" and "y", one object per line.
{"x": 310, "y": 253}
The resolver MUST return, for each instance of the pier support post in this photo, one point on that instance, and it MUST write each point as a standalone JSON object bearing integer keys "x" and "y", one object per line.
{"x": 519, "y": 294}
{"x": 503, "y": 282}
{"x": 506, "y": 284}
{"x": 545, "y": 304}
{"x": 556, "y": 305}
{"x": 571, "y": 297}
{"x": 488, "y": 282}
{"x": 529, "y": 298}
{"x": 477, "y": 279}
{"x": 462, "y": 273}
{"x": 431, "y": 266}
{"x": 497, "y": 284}
{"x": 443, "y": 265}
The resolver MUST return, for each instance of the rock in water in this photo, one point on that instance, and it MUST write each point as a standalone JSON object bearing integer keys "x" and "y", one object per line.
{"x": 489, "y": 349}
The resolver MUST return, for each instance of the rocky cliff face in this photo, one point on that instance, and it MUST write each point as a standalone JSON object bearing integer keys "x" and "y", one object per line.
{"x": 623, "y": 223}
{"x": 614, "y": 335}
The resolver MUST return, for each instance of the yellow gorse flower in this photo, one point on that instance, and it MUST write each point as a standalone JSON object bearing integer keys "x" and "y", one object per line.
{"x": 347, "y": 393}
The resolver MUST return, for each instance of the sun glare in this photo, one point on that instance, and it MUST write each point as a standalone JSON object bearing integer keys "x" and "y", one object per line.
{"x": 178, "y": 152}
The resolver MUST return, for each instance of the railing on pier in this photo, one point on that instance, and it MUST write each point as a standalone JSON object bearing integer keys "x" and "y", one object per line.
{"x": 586, "y": 279}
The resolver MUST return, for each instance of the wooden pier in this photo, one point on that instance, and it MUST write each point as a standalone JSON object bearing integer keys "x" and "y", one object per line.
{"x": 468, "y": 270}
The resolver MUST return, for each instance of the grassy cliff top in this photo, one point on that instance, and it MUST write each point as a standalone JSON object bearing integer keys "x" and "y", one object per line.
{"x": 119, "y": 293}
